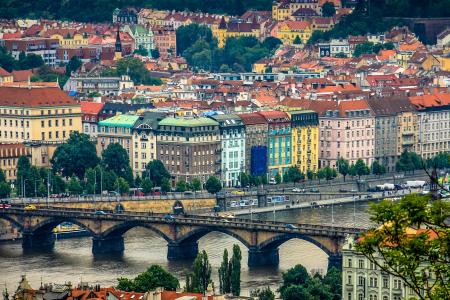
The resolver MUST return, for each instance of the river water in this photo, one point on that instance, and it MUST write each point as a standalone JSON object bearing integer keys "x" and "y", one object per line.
{"x": 72, "y": 260}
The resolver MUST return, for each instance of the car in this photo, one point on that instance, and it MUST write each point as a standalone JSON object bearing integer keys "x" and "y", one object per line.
{"x": 238, "y": 193}
{"x": 353, "y": 191}
{"x": 372, "y": 189}
{"x": 290, "y": 226}
{"x": 296, "y": 190}
{"x": 288, "y": 206}
{"x": 314, "y": 190}
{"x": 4, "y": 204}
{"x": 100, "y": 212}
{"x": 168, "y": 217}
{"x": 343, "y": 190}
{"x": 272, "y": 181}
{"x": 188, "y": 193}
{"x": 369, "y": 196}
{"x": 30, "y": 207}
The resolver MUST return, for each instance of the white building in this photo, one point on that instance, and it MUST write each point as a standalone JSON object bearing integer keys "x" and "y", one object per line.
{"x": 338, "y": 46}
{"x": 363, "y": 280}
{"x": 232, "y": 131}
{"x": 108, "y": 86}
{"x": 143, "y": 37}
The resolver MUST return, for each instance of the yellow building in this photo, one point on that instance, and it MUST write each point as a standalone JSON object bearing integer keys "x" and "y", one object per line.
{"x": 5, "y": 76}
{"x": 305, "y": 140}
{"x": 445, "y": 62}
{"x": 283, "y": 10}
{"x": 236, "y": 28}
{"x": 9, "y": 156}
{"x": 288, "y": 31}
{"x": 39, "y": 117}
{"x": 70, "y": 40}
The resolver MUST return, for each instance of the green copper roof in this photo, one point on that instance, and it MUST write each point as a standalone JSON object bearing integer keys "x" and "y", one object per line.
{"x": 120, "y": 121}
{"x": 188, "y": 122}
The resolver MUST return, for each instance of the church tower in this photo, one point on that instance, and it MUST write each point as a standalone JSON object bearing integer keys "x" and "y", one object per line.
{"x": 118, "y": 46}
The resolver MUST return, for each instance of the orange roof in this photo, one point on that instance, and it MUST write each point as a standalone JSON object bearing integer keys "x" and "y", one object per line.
{"x": 4, "y": 73}
{"x": 91, "y": 107}
{"x": 411, "y": 47}
{"x": 22, "y": 75}
{"x": 428, "y": 101}
{"x": 386, "y": 54}
{"x": 34, "y": 96}
{"x": 297, "y": 25}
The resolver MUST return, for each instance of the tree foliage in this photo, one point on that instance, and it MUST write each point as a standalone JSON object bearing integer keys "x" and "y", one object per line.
{"x": 420, "y": 258}
{"x": 409, "y": 162}
{"x": 343, "y": 167}
{"x": 201, "y": 274}
{"x": 361, "y": 168}
{"x": 213, "y": 185}
{"x": 115, "y": 159}
{"x": 263, "y": 294}
{"x": 377, "y": 168}
{"x": 75, "y": 156}
{"x": 328, "y": 9}
{"x": 298, "y": 285}
{"x": 235, "y": 271}
{"x": 136, "y": 69}
{"x": 225, "y": 274}
{"x": 157, "y": 172}
{"x": 152, "y": 278}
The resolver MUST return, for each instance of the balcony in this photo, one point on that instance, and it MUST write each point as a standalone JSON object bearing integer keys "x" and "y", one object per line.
{"x": 407, "y": 143}
{"x": 408, "y": 133}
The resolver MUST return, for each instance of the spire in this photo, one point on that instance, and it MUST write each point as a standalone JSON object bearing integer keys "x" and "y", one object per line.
{"x": 223, "y": 24}
{"x": 118, "y": 45}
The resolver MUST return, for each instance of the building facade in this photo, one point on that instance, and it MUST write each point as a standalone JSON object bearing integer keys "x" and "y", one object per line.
{"x": 279, "y": 146}
{"x": 347, "y": 131}
{"x": 144, "y": 140}
{"x": 116, "y": 129}
{"x": 44, "y": 47}
{"x": 39, "y": 117}
{"x": 107, "y": 86}
{"x": 232, "y": 133}
{"x": 396, "y": 129}
{"x": 143, "y": 37}
{"x": 90, "y": 111}
{"x": 189, "y": 148}
{"x": 9, "y": 156}
{"x": 255, "y": 143}
{"x": 434, "y": 124}
{"x": 305, "y": 140}
{"x": 165, "y": 41}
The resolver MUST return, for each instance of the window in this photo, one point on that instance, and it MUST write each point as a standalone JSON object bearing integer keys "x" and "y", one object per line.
{"x": 349, "y": 279}
{"x": 361, "y": 264}
{"x": 350, "y": 263}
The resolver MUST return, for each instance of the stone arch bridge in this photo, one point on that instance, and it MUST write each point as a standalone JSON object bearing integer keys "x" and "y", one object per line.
{"x": 181, "y": 232}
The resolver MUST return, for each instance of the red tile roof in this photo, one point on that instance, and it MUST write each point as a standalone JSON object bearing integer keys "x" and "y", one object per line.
{"x": 4, "y": 73}
{"x": 34, "y": 96}
{"x": 91, "y": 107}
{"x": 252, "y": 119}
{"x": 21, "y": 76}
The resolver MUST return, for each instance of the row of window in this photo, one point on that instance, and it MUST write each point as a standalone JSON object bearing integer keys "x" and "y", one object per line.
{"x": 56, "y": 123}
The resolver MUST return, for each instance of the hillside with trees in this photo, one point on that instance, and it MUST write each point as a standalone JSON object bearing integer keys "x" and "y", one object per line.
{"x": 101, "y": 10}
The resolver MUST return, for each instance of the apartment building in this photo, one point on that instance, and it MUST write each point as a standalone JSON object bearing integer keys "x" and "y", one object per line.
{"x": 255, "y": 143}
{"x": 396, "y": 129}
{"x": 232, "y": 134}
{"x": 434, "y": 124}
{"x": 44, "y": 47}
{"x": 189, "y": 148}
{"x": 39, "y": 117}
{"x": 9, "y": 156}
{"x": 305, "y": 140}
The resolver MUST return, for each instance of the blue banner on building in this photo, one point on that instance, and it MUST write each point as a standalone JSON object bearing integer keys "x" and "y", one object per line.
{"x": 259, "y": 160}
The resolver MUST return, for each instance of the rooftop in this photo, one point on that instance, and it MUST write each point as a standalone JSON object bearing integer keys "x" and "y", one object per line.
{"x": 188, "y": 122}
{"x": 127, "y": 121}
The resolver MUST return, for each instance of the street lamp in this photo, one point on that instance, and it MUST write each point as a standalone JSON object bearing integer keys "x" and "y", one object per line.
{"x": 274, "y": 212}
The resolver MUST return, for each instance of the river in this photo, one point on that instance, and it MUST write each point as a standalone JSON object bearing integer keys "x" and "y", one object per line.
{"x": 72, "y": 260}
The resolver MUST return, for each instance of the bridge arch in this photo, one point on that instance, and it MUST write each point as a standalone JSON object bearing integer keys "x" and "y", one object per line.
{"x": 14, "y": 222}
{"x": 121, "y": 228}
{"x": 278, "y": 240}
{"x": 47, "y": 225}
{"x": 196, "y": 234}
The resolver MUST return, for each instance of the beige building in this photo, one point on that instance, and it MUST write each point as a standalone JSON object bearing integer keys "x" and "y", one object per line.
{"x": 39, "y": 117}
{"x": 9, "y": 155}
{"x": 144, "y": 137}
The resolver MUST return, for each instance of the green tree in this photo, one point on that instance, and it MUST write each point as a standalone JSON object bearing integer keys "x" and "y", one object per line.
{"x": 225, "y": 274}
{"x": 147, "y": 186}
{"x": 297, "y": 275}
{"x": 297, "y": 41}
{"x": 122, "y": 186}
{"x": 137, "y": 71}
{"x": 263, "y": 294}
{"x": 141, "y": 51}
{"x": 361, "y": 168}
{"x": 408, "y": 162}
{"x": 23, "y": 175}
{"x": 152, "y": 278}
{"x": 74, "y": 186}
{"x": 115, "y": 158}
{"x": 157, "y": 172}
{"x": 440, "y": 161}
{"x": 295, "y": 292}
{"x": 30, "y": 61}
{"x": 278, "y": 178}
{"x": 75, "y": 156}
{"x": 73, "y": 65}
{"x": 5, "y": 188}
{"x": 421, "y": 260}
{"x": 155, "y": 53}
{"x": 330, "y": 173}
{"x": 310, "y": 174}
{"x": 201, "y": 274}
{"x": 295, "y": 175}
{"x": 244, "y": 179}
{"x": 321, "y": 174}
{"x": 333, "y": 280}
{"x": 377, "y": 168}
{"x": 181, "y": 186}
{"x": 364, "y": 48}
{"x": 328, "y": 9}
{"x": 235, "y": 271}
{"x": 343, "y": 167}
{"x": 165, "y": 185}
{"x": 213, "y": 185}
{"x": 196, "y": 185}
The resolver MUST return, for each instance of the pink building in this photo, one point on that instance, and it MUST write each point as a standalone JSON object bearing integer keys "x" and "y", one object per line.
{"x": 346, "y": 130}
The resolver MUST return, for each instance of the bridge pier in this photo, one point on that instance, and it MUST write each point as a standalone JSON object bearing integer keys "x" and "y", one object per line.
{"x": 179, "y": 251}
{"x": 265, "y": 257}
{"x": 36, "y": 241}
{"x": 101, "y": 245}
{"x": 335, "y": 260}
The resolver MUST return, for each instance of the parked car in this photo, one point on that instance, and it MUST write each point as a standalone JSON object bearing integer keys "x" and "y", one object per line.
{"x": 4, "y": 204}
{"x": 314, "y": 190}
{"x": 343, "y": 190}
{"x": 168, "y": 217}
{"x": 100, "y": 212}
{"x": 238, "y": 193}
